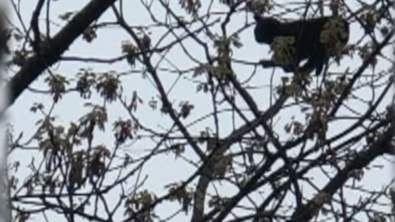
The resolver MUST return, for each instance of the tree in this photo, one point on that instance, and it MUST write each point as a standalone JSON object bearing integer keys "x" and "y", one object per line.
{"x": 161, "y": 111}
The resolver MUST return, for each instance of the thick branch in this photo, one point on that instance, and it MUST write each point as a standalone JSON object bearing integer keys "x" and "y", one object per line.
{"x": 35, "y": 27}
{"x": 52, "y": 49}
{"x": 362, "y": 159}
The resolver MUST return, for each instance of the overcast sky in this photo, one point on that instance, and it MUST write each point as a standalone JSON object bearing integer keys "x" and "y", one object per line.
{"x": 167, "y": 169}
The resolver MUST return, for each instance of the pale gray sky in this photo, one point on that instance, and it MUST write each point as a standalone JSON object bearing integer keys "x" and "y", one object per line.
{"x": 166, "y": 169}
